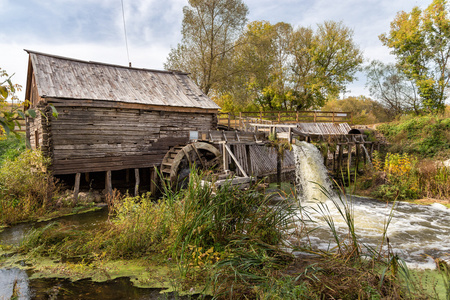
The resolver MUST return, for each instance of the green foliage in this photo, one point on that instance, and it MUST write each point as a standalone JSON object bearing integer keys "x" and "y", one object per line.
{"x": 402, "y": 176}
{"x": 276, "y": 67}
{"x": 11, "y": 147}
{"x": 426, "y": 136}
{"x": 421, "y": 42}
{"x": 26, "y": 189}
{"x": 9, "y": 117}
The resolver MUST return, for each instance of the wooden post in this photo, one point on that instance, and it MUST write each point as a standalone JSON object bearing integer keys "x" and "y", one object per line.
{"x": 108, "y": 183}
{"x": 340, "y": 157}
{"x": 296, "y": 118}
{"x": 86, "y": 177}
{"x": 349, "y": 159}
{"x": 153, "y": 178}
{"x": 76, "y": 189}
{"x": 290, "y": 135}
{"x": 249, "y": 160}
{"x": 240, "y": 120}
{"x": 333, "y": 116}
{"x": 279, "y": 117}
{"x": 127, "y": 175}
{"x": 279, "y": 169}
{"x": 357, "y": 157}
{"x": 315, "y": 117}
{"x": 229, "y": 121}
{"x": 138, "y": 181}
{"x": 225, "y": 157}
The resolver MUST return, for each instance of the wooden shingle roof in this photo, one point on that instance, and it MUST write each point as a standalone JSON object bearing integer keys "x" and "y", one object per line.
{"x": 66, "y": 78}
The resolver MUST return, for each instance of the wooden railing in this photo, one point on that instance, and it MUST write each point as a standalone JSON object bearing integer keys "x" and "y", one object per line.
{"x": 243, "y": 119}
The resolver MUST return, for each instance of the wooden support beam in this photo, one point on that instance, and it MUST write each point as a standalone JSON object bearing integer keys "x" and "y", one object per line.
{"x": 108, "y": 183}
{"x": 279, "y": 167}
{"x": 235, "y": 160}
{"x": 127, "y": 175}
{"x": 249, "y": 160}
{"x": 76, "y": 189}
{"x": 86, "y": 177}
{"x": 357, "y": 157}
{"x": 137, "y": 182}
{"x": 153, "y": 180}
{"x": 349, "y": 158}
{"x": 225, "y": 157}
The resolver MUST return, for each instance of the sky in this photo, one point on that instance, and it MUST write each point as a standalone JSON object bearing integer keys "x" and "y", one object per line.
{"x": 93, "y": 30}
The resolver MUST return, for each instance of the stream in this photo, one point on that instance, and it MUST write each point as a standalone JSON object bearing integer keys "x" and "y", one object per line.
{"x": 57, "y": 288}
{"x": 417, "y": 233}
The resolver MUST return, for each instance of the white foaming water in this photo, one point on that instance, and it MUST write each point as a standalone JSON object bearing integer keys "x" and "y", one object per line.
{"x": 418, "y": 233}
{"x": 310, "y": 172}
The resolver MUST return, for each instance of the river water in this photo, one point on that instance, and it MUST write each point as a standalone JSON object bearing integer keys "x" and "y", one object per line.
{"x": 417, "y": 233}
{"x": 57, "y": 288}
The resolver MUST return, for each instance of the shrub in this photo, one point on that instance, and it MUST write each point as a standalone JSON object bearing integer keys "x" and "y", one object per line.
{"x": 402, "y": 176}
{"x": 426, "y": 136}
{"x": 26, "y": 189}
{"x": 11, "y": 147}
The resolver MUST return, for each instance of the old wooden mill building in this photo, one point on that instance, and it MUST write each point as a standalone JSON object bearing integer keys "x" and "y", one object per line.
{"x": 115, "y": 121}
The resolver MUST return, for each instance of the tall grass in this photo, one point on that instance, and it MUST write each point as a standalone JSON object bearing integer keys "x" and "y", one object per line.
{"x": 11, "y": 146}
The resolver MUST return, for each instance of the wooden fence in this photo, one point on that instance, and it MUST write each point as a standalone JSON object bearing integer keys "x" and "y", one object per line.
{"x": 242, "y": 120}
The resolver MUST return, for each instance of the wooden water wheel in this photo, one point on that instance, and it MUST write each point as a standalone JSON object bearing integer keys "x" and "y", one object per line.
{"x": 177, "y": 163}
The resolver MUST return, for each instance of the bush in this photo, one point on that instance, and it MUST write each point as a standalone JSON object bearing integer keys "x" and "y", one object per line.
{"x": 402, "y": 176}
{"x": 11, "y": 147}
{"x": 26, "y": 189}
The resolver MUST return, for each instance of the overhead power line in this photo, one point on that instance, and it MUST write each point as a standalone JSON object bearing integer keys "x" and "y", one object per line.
{"x": 126, "y": 37}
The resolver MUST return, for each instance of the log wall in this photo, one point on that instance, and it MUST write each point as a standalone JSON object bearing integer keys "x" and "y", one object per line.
{"x": 92, "y": 139}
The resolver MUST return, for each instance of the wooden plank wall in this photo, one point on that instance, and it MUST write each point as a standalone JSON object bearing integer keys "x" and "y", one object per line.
{"x": 92, "y": 139}
{"x": 263, "y": 160}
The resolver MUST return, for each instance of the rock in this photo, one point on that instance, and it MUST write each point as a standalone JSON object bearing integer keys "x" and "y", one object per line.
{"x": 446, "y": 163}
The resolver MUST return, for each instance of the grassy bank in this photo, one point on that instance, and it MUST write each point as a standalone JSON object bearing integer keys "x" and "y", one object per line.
{"x": 229, "y": 243}
{"x": 411, "y": 166}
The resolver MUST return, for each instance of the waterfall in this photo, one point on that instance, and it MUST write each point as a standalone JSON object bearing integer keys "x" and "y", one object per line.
{"x": 310, "y": 172}
{"x": 367, "y": 154}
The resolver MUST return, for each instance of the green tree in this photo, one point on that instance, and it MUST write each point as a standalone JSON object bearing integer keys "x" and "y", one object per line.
{"x": 260, "y": 66}
{"x": 324, "y": 62}
{"x": 279, "y": 68}
{"x": 389, "y": 85}
{"x": 420, "y": 40}
{"x": 209, "y": 30}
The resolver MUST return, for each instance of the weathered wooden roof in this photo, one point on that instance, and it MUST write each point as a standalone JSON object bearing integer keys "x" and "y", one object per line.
{"x": 61, "y": 77}
{"x": 323, "y": 128}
